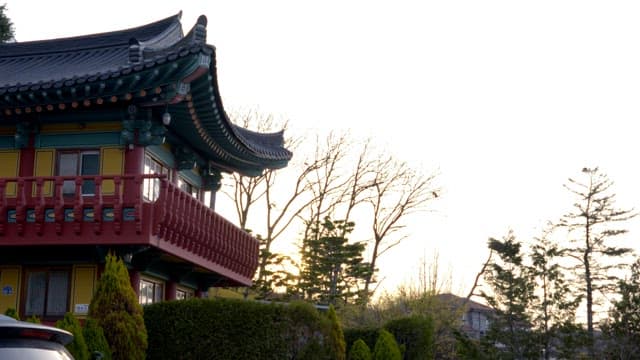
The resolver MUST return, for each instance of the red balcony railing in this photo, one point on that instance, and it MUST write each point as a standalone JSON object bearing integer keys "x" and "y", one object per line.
{"x": 113, "y": 210}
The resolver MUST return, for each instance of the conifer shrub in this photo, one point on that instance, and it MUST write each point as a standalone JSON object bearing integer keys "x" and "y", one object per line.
{"x": 116, "y": 309}
{"x": 236, "y": 329}
{"x": 337, "y": 343}
{"x": 359, "y": 351}
{"x": 367, "y": 334}
{"x": 77, "y": 347}
{"x": 414, "y": 334}
{"x": 95, "y": 339}
{"x": 11, "y": 312}
{"x": 386, "y": 347}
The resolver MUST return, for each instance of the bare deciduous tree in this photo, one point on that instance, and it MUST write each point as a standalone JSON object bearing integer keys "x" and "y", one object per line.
{"x": 397, "y": 191}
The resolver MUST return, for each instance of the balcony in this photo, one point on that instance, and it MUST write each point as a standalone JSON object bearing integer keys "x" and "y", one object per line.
{"x": 112, "y": 211}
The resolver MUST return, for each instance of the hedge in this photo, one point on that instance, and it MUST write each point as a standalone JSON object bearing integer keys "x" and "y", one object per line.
{"x": 235, "y": 329}
{"x": 414, "y": 334}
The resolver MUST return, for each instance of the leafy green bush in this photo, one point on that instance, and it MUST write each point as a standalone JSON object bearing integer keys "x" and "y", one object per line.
{"x": 116, "y": 309}
{"x": 359, "y": 351}
{"x": 77, "y": 347}
{"x": 386, "y": 347}
{"x": 95, "y": 339}
{"x": 11, "y": 312}
{"x": 415, "y": 334}
{"x": 33, "y": 319}
{"x": 235, "y": 329}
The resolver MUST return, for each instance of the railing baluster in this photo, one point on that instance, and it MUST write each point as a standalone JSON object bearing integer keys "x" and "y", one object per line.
{"x": 97, "y": 206}
{"x": 39, "y": 208}
{"x": 21, "y": 207}
{"x": 3, "y": 205}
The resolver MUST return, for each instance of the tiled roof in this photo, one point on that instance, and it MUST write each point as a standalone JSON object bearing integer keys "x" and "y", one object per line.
{"x": 29, "y": 70}
{"x": 36, "y": 63}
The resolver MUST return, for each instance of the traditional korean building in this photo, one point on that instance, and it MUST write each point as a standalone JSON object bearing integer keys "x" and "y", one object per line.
{"x": 117, "y": 142}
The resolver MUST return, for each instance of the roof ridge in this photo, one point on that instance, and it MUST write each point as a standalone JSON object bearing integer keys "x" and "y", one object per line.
{"x": 92, "y": 41}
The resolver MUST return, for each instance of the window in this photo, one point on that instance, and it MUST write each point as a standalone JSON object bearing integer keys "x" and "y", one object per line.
{"x": 79, "y": 163}
{"x": 183, "y": 294}
{"x": 151, "y": 187}
{"x": 187, "y": 187}
{"x": 151, "y": 291}
{"x": 47, "y": 292}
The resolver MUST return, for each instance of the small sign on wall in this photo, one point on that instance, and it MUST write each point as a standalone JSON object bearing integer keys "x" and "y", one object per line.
{"x": 7, "y": 290}
{"x": 82, "y": 309}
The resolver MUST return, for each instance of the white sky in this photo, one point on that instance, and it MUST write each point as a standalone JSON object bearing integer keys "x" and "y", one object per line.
{"x": 507, "y": 98}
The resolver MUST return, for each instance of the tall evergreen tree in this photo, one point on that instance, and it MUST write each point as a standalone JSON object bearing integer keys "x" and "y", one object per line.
{"x": 332, "y": 269}
{"x": 511, "y": 295}
{"x": 553, "y": 305}
{"x": 6, "y": 26}
{"x": 622, "y": 329}
{"x": 591, "y": 225}
{"x": 116, "y": 309}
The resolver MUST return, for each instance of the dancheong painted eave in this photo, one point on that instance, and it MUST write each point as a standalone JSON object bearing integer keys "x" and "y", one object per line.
{"x": 154, "y": 66}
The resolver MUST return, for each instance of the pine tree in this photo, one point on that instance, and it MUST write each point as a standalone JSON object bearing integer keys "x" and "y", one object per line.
{"x": 6, "y": 26}
{"x": 332, "y": 268}
{"x": 116, "y": 309}
{"x": 622, "y": 329}
{"x": 511, "y": 296}
{"x": 591, "y": 226}
{"x": 553, "y": 305}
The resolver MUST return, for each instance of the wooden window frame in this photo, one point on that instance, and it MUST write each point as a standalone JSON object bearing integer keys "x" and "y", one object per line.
{"x": 24, "y": 293}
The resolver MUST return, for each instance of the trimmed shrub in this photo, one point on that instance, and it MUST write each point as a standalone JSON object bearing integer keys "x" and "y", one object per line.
{"x": 368, "y": 335}
{"x": 415, "y": 335}
{"x": 337, "y": 343}
{"x": 11, "y": 312}
{"x": 359, "y": 351}
{"x": 95, "y": 339}
{"x": 77, "y": 347}
{"x": 386, "y": 347}
{"x": 235, "y": 329}
{"x": 116, "y": 309}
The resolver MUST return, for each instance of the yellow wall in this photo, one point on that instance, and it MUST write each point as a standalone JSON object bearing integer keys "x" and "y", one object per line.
{"x": 9, "y": 288}
{"x": 112, "y": 163}
{"x": 44, "y": 165}
{"x": 9, "y": 166}
{"x": 83, "y": 287}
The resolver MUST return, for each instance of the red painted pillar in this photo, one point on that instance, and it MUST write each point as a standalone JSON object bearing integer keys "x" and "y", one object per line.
{"x": 202, "y": 294}
{"x": 134, "y": 277}
{"x": 170, "y": 291}
{"x": 133, "y": 164}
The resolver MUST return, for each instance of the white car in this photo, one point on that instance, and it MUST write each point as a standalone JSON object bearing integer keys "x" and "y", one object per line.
{"x": 29, "y": 341}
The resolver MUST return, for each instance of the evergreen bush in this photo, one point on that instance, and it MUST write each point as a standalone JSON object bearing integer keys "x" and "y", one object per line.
{"x": 369, "y": 335}
{"x": 359, "y": 351}
{"x": 338, "y": 346}
{"x": 415, "y": 334}
{"x": 95, "y": 339}
{"x": 77, "y": 347}
{"x": 235, "y": 329}
{"x": 386, "y": 347}
{"x": 116, "y": 309}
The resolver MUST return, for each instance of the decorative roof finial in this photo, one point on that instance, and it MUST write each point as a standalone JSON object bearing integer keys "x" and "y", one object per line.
{"x": 200, "y": 30}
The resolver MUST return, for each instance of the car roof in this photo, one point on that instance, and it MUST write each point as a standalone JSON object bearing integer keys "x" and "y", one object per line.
{"x": 12, "y": 328}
